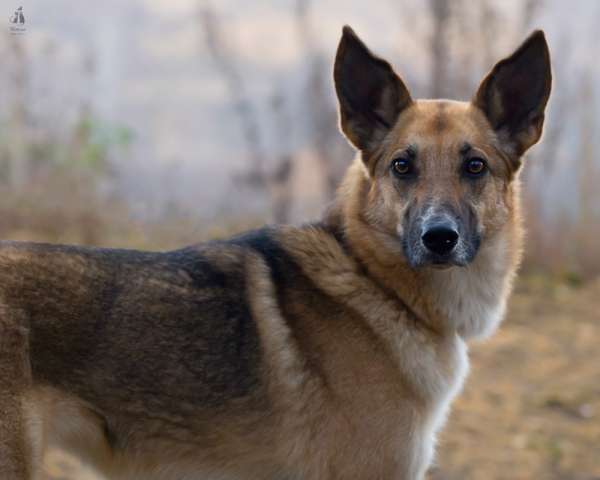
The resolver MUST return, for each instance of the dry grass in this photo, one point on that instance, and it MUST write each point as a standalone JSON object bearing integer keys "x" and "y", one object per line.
{"x": 65, "y": 207}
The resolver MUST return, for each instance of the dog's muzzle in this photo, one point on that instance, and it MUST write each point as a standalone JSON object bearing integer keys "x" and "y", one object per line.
{"x": 440, "y": 240}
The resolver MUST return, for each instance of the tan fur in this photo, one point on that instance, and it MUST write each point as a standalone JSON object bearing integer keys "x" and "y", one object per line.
{"x": 300, "y": 353}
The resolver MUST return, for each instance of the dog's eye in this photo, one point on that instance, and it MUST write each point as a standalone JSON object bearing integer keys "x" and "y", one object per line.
{"x": 402, "y": 167}
{"x": 475, "y": 166}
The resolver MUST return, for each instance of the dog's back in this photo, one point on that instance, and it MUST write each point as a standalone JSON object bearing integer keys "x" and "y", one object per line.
{"x": 141, "y": 345}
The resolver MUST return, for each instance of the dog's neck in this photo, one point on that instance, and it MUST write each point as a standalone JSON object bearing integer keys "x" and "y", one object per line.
{"x": 469, "y": 300}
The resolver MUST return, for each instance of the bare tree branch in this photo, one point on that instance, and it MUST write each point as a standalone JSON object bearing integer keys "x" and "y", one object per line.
{"x": 224, "y": 61}
{"x": 440, "y": 12}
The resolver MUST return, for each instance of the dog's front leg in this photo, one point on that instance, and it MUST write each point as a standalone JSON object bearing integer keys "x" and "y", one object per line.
{"x": 15, "y": 379}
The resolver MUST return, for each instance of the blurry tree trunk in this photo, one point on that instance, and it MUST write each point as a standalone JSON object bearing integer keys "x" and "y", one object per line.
{"x": 280, "y": 179}
{"x": 81, "y": 133}
{"x": 258, "y": 177}
{"x": 281, "y": 193}
{"x": 248, "y": 119}
{"x": 329, "y": 146}
{"x": 440, "y": 13}
{"x": 488, "y": 22}
{"x": 17, "y": 123}
{"x": 588, "y": 173}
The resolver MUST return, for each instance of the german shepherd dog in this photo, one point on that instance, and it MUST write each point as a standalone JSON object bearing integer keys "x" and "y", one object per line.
{"x": 325, "y": 351}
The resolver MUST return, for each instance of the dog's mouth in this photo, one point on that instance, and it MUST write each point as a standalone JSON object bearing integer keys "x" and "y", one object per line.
{"x": 438, "y": 263}
{"x": 442, "y": 264}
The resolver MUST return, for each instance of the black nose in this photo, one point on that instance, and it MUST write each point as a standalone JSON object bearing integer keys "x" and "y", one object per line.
{"x": 440, "y": 239}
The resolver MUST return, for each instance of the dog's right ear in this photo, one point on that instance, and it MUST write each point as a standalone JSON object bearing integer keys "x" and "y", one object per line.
{"x": 370, "y": 94}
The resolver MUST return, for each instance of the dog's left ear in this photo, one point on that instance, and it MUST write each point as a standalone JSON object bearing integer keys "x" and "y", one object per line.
{"x": 514, "y": 94}
{"x": 370, "y": 94}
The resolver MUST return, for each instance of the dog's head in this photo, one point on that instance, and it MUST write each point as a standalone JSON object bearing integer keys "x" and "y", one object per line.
{"x": 440, "y": 173}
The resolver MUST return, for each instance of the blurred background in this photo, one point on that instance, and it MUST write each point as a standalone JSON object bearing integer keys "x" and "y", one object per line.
{"x": 159, "y": 123}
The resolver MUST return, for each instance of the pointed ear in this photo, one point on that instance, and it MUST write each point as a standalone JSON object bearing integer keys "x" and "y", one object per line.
{"x": 370, "y": 94}
{"x": 514, "y": 94}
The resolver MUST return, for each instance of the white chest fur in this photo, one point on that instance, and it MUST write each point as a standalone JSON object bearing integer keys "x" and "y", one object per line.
{"x": 474, "y": 298}
{"x": 439, "y": 382}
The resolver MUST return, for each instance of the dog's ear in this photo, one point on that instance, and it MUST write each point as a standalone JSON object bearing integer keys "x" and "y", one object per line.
{"x": 370, "y": 94}
{"x": 514, "y": 94}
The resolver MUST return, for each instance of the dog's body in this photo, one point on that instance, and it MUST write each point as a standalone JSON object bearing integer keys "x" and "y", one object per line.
{"x": 325, "y": 351}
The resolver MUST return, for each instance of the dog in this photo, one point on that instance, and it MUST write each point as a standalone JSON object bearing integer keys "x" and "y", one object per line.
{"x": 325, "y": 351}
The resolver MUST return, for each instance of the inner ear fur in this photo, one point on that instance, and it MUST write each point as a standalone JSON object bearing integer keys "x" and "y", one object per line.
{"x": 513, "y": 96}
{"x": 371, "y": 95}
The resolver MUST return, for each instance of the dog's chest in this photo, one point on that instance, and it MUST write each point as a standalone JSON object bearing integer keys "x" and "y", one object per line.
{"x": 397, "y": 404}
{"x": 440, "y": 383}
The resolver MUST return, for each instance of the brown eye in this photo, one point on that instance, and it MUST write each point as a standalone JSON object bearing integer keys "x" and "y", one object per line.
{"x": 402, "y": 166}
{"x": 475, "y": 166}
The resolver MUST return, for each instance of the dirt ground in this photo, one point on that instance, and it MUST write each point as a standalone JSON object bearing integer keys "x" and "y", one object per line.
{"x": 531, "y": 405}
